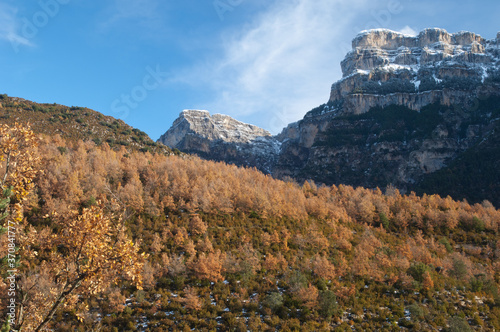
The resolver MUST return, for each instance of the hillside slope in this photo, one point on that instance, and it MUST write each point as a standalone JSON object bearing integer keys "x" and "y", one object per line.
{"x": 233, "y": 249}
{"x": 75, "y": 123}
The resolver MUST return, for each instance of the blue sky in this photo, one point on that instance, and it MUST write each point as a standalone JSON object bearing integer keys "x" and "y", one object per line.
{"x": 265, "y": 62}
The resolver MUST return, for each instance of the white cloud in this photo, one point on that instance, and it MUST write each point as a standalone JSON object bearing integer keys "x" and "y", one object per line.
{"x": 10, "y": 27}
{"x": 282, "y": 64}
{"x": 408, "y": 31}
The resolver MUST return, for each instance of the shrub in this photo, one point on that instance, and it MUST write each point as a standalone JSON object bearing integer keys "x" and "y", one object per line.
{"x": 493, "y": 76}
{"x": 273, "y": 301}
{"x": 384, "y": 220}
{"x": 476, "y": 284}
{"x": 418, "y": 270}
{"x": 62, "y": 149}
{"x": 391, "y": 86}
{"x": 458, "y": 324}
{"x": 478, "y": 224}
{"x": 123, "y": 142}
{"x": 444, "y": 241}
{"x": 459, "y": 269}
{"x": 327, "y": 303}
{"x": 461, "y": 83}
{"x": 416, "y": 311}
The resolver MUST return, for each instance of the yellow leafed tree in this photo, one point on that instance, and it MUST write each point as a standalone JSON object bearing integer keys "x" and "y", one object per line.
{"x": 80, "y": 254}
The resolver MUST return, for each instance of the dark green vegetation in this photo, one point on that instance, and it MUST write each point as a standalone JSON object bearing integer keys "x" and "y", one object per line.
{"x": 371, "y": 148}
{"x": 475, "y": 174}
{"x": 403, "y": 82}
{"x": 390, "y": 124}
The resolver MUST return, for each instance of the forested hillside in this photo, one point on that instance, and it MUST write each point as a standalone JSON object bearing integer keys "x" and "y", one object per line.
{"x": 212, "y": 247}
{"x": 75, "y": 123}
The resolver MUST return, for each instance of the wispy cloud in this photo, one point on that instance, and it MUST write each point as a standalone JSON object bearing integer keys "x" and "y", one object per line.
{"x": 144, "y": 12}
{"x": 9, "y": 29}
{"x": 408, "y": 31}
{"x": 282, "y": 64}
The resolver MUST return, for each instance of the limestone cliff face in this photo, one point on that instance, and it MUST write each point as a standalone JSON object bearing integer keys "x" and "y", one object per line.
{"x": 221, "y": 137}
{"x": 406, "y": 107}
{"x": 386, "y": 62}
{"x": 379, "y": 48}
{"x": 213, "y": 128}
{"x": 359, "y": 103}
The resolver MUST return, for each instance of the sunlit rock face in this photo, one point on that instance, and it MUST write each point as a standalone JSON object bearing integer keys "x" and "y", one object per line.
{"x": 384, "y": 62}
{"x": 220, "y": 137}
{"x": 212, "y": 127}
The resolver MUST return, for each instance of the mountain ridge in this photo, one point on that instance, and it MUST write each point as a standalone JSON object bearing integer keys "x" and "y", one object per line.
{"x": 75, "y": 123}
{"x": 406, "y": 107}
{"x": 222, "y": 138}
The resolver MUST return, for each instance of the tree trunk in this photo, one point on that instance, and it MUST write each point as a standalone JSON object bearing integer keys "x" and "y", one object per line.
{"x": 60, "y": 299}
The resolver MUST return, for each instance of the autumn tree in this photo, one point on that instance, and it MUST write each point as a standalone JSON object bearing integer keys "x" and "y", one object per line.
{"x": 427, "y": 282}
{"x": 208, "y": 266}
{"x": 308, "y": 296}
{"x": 157, "y": 244}
{"x": 18, "y": 169}
{"x": 80, "y": 254}
{"x": 323, "y": 268}
{"x": 197, "y": 226}
{"x": 88, "y": 253}
{"x": 191, "y": 299}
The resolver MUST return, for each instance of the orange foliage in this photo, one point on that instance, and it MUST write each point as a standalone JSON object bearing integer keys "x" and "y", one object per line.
{"x": 143, "y": 181}
{"x": 197, "y": 226}
{"x": 81, "y": 254}
{"x": 208, "y": 266}
{"x": 309, "y": 296}
{"x": 208, "y": 220}
{"x": 191, "y": 300}
{"x": 323, "y": 268}
{"x": 275, "y": 263}
{"x": 427, "y": 283}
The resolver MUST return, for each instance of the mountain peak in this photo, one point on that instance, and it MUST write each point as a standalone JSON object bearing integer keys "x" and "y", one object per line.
{"x": 193, "y": 112}
{"x": 220, "y": 137}
{"x": 211, "y": 127}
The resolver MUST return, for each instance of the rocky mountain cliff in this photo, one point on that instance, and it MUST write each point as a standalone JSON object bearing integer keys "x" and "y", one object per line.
{"x": 220, "y": 137}
{"x": 394, "y": 68}
{"x": 406, "y": 109}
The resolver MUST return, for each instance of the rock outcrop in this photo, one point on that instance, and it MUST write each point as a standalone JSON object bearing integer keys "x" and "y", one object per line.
{"x": 220, "y": 137}
{"x": 213, "y": 128}
{"x": 384, "y": 62}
